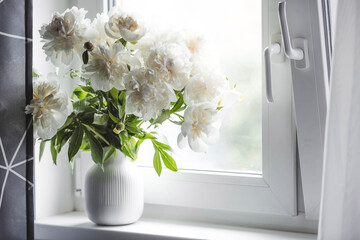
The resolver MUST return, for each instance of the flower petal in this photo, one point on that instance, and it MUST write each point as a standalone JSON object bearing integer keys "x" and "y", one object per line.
{"x": 181, "y": 141}
{"x": 229, "y": 98}
{"x": 197, "y": 145}
{"x": 131, "y": 36}
{"x": 185, "y": 128}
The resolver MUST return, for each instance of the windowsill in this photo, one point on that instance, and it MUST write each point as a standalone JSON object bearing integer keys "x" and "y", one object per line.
{"x": 75, "y": 225}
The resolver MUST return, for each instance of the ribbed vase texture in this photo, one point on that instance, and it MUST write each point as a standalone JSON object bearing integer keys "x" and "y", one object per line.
{"x": 114, "y": 196}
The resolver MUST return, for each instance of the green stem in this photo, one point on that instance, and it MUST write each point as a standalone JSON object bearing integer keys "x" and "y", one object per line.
{"x": 181, "y": 117}
{"x": 96, "y": 133}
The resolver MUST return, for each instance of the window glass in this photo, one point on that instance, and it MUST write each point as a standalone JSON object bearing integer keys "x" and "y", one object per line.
{"x": 233, "y": 29}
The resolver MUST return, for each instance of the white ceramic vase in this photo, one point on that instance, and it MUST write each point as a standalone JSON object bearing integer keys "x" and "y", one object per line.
{"x": 114, "y": 196}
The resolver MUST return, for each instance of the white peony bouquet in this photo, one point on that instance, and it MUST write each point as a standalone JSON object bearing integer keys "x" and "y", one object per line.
{"x": 131, "y": 78}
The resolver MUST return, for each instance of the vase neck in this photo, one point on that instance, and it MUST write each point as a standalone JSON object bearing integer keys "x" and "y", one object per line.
{"x": 119, "y": 157}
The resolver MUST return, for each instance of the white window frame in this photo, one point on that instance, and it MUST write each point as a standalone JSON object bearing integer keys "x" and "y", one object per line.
{"x": 254, "y": 197}
{"x": 273, "y": 192}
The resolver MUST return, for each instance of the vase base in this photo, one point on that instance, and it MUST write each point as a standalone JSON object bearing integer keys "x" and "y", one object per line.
{"x": 114, "y": 224}
{"x": 114, "y": 195}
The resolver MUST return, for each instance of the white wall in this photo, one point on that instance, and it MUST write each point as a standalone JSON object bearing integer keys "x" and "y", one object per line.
{"x": 53, "y": 184}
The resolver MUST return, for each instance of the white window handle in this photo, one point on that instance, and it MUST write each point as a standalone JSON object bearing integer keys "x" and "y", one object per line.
{"x": 290, "y": 52}
{"x": 273, "y": 49}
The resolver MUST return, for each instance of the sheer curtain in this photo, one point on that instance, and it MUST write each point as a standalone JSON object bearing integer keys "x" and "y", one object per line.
{"x": 340, "y": 208}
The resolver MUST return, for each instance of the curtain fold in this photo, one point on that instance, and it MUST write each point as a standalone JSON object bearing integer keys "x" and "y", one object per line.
{"x": 340, "y": 207}
{"x": 16, "y": 138}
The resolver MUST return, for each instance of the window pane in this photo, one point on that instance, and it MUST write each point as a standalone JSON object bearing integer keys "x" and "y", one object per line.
{"x": 233, "y": 28}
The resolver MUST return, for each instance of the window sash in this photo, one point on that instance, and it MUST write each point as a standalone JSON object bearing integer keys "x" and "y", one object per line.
{"x": 272, "y": 192}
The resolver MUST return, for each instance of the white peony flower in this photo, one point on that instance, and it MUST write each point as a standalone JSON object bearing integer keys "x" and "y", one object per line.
{"x": 146, "y": 95}
{"x": 229, "y": 98}
{"x": 142, "y": 47}
{"x": 107, "y": 66}
{"x": 98, "y": 25}
{"x": 196, "y": 44}
{"x": 65, "y": 35}
{"x": 49, "y": 106}
{"x": 124, "y": 25}
{"x": 201, "y": 127}
{"x": 205, "y": 86}
{"x": 171, "y": 62}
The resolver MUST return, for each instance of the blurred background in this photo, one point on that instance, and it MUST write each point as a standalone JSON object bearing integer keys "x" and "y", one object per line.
{"x": 232, "y": 29}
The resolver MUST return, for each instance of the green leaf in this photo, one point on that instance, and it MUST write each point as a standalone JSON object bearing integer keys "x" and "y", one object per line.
{"x": 165, "y": 114}
{"x": 80, "y": 94}
{"x": 68, "y": 121}
{"x": 61, "y": 138}
{"x": 127, "y": 147}
{"x": 132, "y": 127}
{"x": 121, "y": 112}
{"x": 100, "y": 128}
{"x": 75, "y": 142}
{"x": 114, "y": 140}
{"x": 162, "y": 145}
{"x": 178, "y": 104}
{"x": 157, "y": 162}
{"x": 168, "y": 161}
{"x": 132, "y": 143}
{"x": 166, "y": 158}
{"x": 87, "y": 116}
{"x": 53, "y": 150}
{"x": 115, "y": 119}
{"x": 123, "y": 42}
{"x": 100, "y": 119}
{"x": 110, "y": 151}
{"x": 82, "y": 106}
{"x": 133, "y": 118}
{"x": 85, "y": 145}
{"x": 85, "y": 57}
{"x": 96, "y": 148}
{"x": 42, "y": 147}
{"x": 138, "y": 143}
{"x": 95, "y": 100}
{"x": 122, "y": 100}
{"x": 96, "y": 129}
{"x": 87, "y": 89}
{"x": 122, "y": 97}
{"x": 176, "y": 122}
{"x": 114, "y": 93}
{"x": 180, "y": 117}
{"x": 74, "y": 73}
{"x": 146, "y": 136}
{"x": 35, "y": 75}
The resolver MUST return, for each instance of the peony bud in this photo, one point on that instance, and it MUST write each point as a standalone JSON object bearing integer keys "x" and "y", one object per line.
{"x": 89, "y": 46}
{"x": 119, "y": 128}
